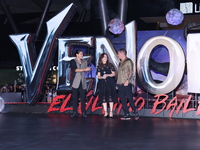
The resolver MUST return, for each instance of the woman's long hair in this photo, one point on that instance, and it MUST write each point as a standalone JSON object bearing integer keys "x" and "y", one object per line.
{"x": 100, "y": 62}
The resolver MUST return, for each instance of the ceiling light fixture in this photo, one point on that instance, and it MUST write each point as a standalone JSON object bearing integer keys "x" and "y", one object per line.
{"x": 174, "y": 17}
{"x": 116, "y": 26}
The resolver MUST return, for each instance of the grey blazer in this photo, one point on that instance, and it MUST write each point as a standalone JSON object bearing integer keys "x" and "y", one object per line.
{"x": 78, "y": 76}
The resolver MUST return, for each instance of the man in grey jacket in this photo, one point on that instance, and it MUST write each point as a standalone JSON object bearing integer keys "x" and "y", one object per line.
{"x": 78, "y": 81}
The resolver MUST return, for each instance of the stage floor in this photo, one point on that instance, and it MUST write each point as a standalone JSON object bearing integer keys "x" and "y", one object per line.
{"x": 31, "y": 131}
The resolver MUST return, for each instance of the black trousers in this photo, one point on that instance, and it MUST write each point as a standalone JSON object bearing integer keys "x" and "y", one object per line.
{"x": 125, "y": 92}
{"x": 76, "y": 94}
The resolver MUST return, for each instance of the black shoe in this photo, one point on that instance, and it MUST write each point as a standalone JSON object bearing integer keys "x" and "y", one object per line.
{"x": 136, "y": 115}
{"x": 84, "y": 115}
{"x": 126, "y": 117}
{"x": 106, "y": 117}
{"x": 111, "y": 115}
{"x": 74, "y": 115}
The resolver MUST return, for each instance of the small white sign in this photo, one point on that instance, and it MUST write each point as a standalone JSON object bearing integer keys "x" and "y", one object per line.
{"x": 197, "y": 8}
{"x": 186, "y": 8}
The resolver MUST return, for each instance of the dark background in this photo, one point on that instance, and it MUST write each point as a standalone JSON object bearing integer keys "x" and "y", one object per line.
{"x": 87, "y": 21}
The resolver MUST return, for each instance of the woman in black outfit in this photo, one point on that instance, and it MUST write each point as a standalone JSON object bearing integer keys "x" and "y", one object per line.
{"x": 106, "y": 84}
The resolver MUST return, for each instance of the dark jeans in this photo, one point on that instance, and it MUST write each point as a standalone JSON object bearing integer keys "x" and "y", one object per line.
{"x": 125, "y": 92}
{"x": 76, "y": 94}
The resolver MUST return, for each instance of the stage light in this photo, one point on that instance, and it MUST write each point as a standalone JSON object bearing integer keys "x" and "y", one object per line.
{"x": 2, "y": 104}
{"x": 116, "y": 26}
{"x": 174, "y": 17}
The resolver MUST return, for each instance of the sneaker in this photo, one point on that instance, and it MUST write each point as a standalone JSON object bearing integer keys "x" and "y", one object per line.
{"x": 136, "y": 115}
{"x": 126, "y": 117}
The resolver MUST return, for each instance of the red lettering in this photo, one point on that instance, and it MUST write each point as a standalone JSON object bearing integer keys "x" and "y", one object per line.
{"x": 94, "y": 108}
{"x": 139, "y": 102}
{"x": 62, "y": 108}
{"x": 185, "y": 110}
{"x": 172, "y": 105}
{"x": 120, "y": 106}
{"x": 51, "y": 107}
{"x": 130, "y": 108}
{"x": 79, "y": 108}
{"x": 198, "y": 109}
{"x": 116, "y": 104}
{"x": 157, "y": 102}
{"x": 89, "y": 93}
{"x": 142, "y": 104}
{"x": 179, "y": 107}
{"x": 89, "y": 102}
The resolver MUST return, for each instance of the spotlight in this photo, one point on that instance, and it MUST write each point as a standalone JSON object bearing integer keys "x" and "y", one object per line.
{"x": 174, "y": 17}
{"x": 116, "y": 26}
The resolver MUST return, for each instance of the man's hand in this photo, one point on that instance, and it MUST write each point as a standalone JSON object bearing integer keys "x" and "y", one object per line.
{"x": 126, "y": 83}
{"x": 87, "y": 69}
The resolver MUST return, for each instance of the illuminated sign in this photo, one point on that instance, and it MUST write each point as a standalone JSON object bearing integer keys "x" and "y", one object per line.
{"x": 35, "y": 73}
{"x": 190, "y": 7}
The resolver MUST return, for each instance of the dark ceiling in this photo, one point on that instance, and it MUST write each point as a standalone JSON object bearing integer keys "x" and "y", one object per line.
{"x": 26, "y": 15}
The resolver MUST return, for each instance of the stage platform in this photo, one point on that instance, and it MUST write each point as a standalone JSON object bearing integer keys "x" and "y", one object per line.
{"x": 15, "y": 104}
{"x": 33, "y": 131}
{"x": 25, "y": 127}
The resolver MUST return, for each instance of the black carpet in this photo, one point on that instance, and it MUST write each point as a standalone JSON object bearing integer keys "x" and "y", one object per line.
{"x": 31, "y": 131}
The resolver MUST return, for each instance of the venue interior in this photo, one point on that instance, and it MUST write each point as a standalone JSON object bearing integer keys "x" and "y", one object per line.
{"x": 171, "y": 122}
